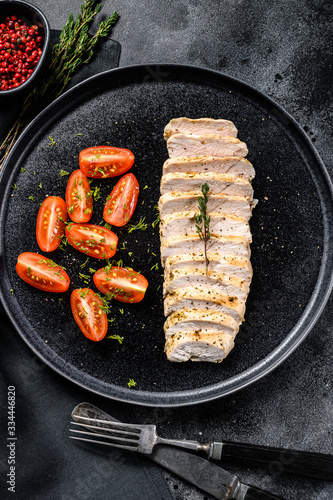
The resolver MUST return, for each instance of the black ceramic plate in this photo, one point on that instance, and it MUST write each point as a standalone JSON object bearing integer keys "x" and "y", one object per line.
{"x": 292, "y": 232}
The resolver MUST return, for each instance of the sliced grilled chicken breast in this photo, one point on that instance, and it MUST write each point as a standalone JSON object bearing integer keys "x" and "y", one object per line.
{"x": 227, "y": 165}
{"x": 205, "y": 145}
{"x": 170, "y": 203}
{"x": 205, "y": 303}
{"x": 232, "y": 265}
{"x": 227, "y": 245}
{"x": 223, "y": 225}
{"x": 206, "y": 299}
{"x": 200, "y": 126}
{"x": 218, "y": 184}
{"x": 186, "y": 276}
{"x": 195, "y": 346}
{"x": 200, "y": 320}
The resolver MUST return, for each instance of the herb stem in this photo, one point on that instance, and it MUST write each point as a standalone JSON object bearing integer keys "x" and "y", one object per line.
{"x": 202, "y": 221}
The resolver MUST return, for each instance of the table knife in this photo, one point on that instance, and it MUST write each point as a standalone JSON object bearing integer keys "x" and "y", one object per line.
{"x": 207, "y": 476}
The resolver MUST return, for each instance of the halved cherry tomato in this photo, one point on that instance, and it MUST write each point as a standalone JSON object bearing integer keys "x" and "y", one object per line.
{"x": 41, "y": 272}
{"x": 122, "y": 201}
{"x": 105, "y": 161}
{"x": 51, "y": 220}
{"x": 89, "y": 313}
{"x": 96, "y": 241}
{"x": 123, "y": 283}
{"x": 79, "y": 202}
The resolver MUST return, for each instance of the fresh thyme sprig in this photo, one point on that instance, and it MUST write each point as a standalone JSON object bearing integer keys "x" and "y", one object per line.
{"x": 202, "y": 220}
{"x": 75, "y": 47}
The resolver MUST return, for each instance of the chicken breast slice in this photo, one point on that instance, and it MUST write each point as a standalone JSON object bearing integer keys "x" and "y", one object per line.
{"x": 218, "y": 184}
{"x": 200, "y": 126}
{"x": 199, "y": 320}
{"x": 206, "y": 299}
{"x": 226, "y": 245}
{"x": 227, "y": 165}
{"x": 205, "y": 145}
{"x": 170, "y": 203}
{"x": 232, "y": 265}
{"x": 186, "y": 276}
{"x": 220, "y": 224}
{"x": 195, "y": 346}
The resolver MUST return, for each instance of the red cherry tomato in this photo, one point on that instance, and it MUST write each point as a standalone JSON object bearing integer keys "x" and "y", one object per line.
{"x": 89, "y": 313}
{"x": 51, "y": 220}
{"x": 79, "y": 200}
{"x": 96, "y": 241}
{"x": 105, "y": 161}
{"x": 122, "y": 201}
{"x": 42, "y": 273}
{"x": 123, "y": 283}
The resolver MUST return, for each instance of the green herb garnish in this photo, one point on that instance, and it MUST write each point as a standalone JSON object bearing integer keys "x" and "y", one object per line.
{"x": 96, "y": 193}
{"x": 202, "y": 220}
{"x": 52, "y": 141}
{"x": 63, "y": 173}
{"x": 116, "y": 337}
{"x": 140, "y": 225}
{"x": 131, "y": 383}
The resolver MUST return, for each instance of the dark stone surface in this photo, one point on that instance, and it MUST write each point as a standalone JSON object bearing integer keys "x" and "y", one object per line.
{"x": 282, "y": 49}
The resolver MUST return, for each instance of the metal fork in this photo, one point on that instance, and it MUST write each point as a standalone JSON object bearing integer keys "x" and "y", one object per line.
{"x": 142, "y": 438}
{"x": 135, "y": 437}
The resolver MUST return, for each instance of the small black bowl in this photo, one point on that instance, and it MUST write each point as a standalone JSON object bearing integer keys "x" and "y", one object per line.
{"x": 33, "y": 15}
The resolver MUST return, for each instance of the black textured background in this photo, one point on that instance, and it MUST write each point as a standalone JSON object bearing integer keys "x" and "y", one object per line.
{"x": 283, "y": 49}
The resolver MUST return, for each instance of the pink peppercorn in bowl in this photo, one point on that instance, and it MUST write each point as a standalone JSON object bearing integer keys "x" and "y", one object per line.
{"x": 24, "y": 47}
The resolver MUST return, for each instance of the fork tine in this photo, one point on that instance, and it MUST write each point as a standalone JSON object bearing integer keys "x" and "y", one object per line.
{"x": 111, "y": 423}
{"x": 112, "y": 439}
{"x": 123, "y": 447}
{"x": 108, "y": 429}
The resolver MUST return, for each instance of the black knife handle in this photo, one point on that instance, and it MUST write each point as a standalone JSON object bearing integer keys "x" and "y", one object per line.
{"x": 276, "y": 461}
{"x": 257, "y": 494}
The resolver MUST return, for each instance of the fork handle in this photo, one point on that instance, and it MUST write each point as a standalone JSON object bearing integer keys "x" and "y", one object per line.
{"x": 279, "y": 460}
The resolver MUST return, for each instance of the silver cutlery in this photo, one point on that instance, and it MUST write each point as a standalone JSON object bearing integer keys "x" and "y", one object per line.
{"x": 200, "y": 472}
{"x": 143, "y": 439}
